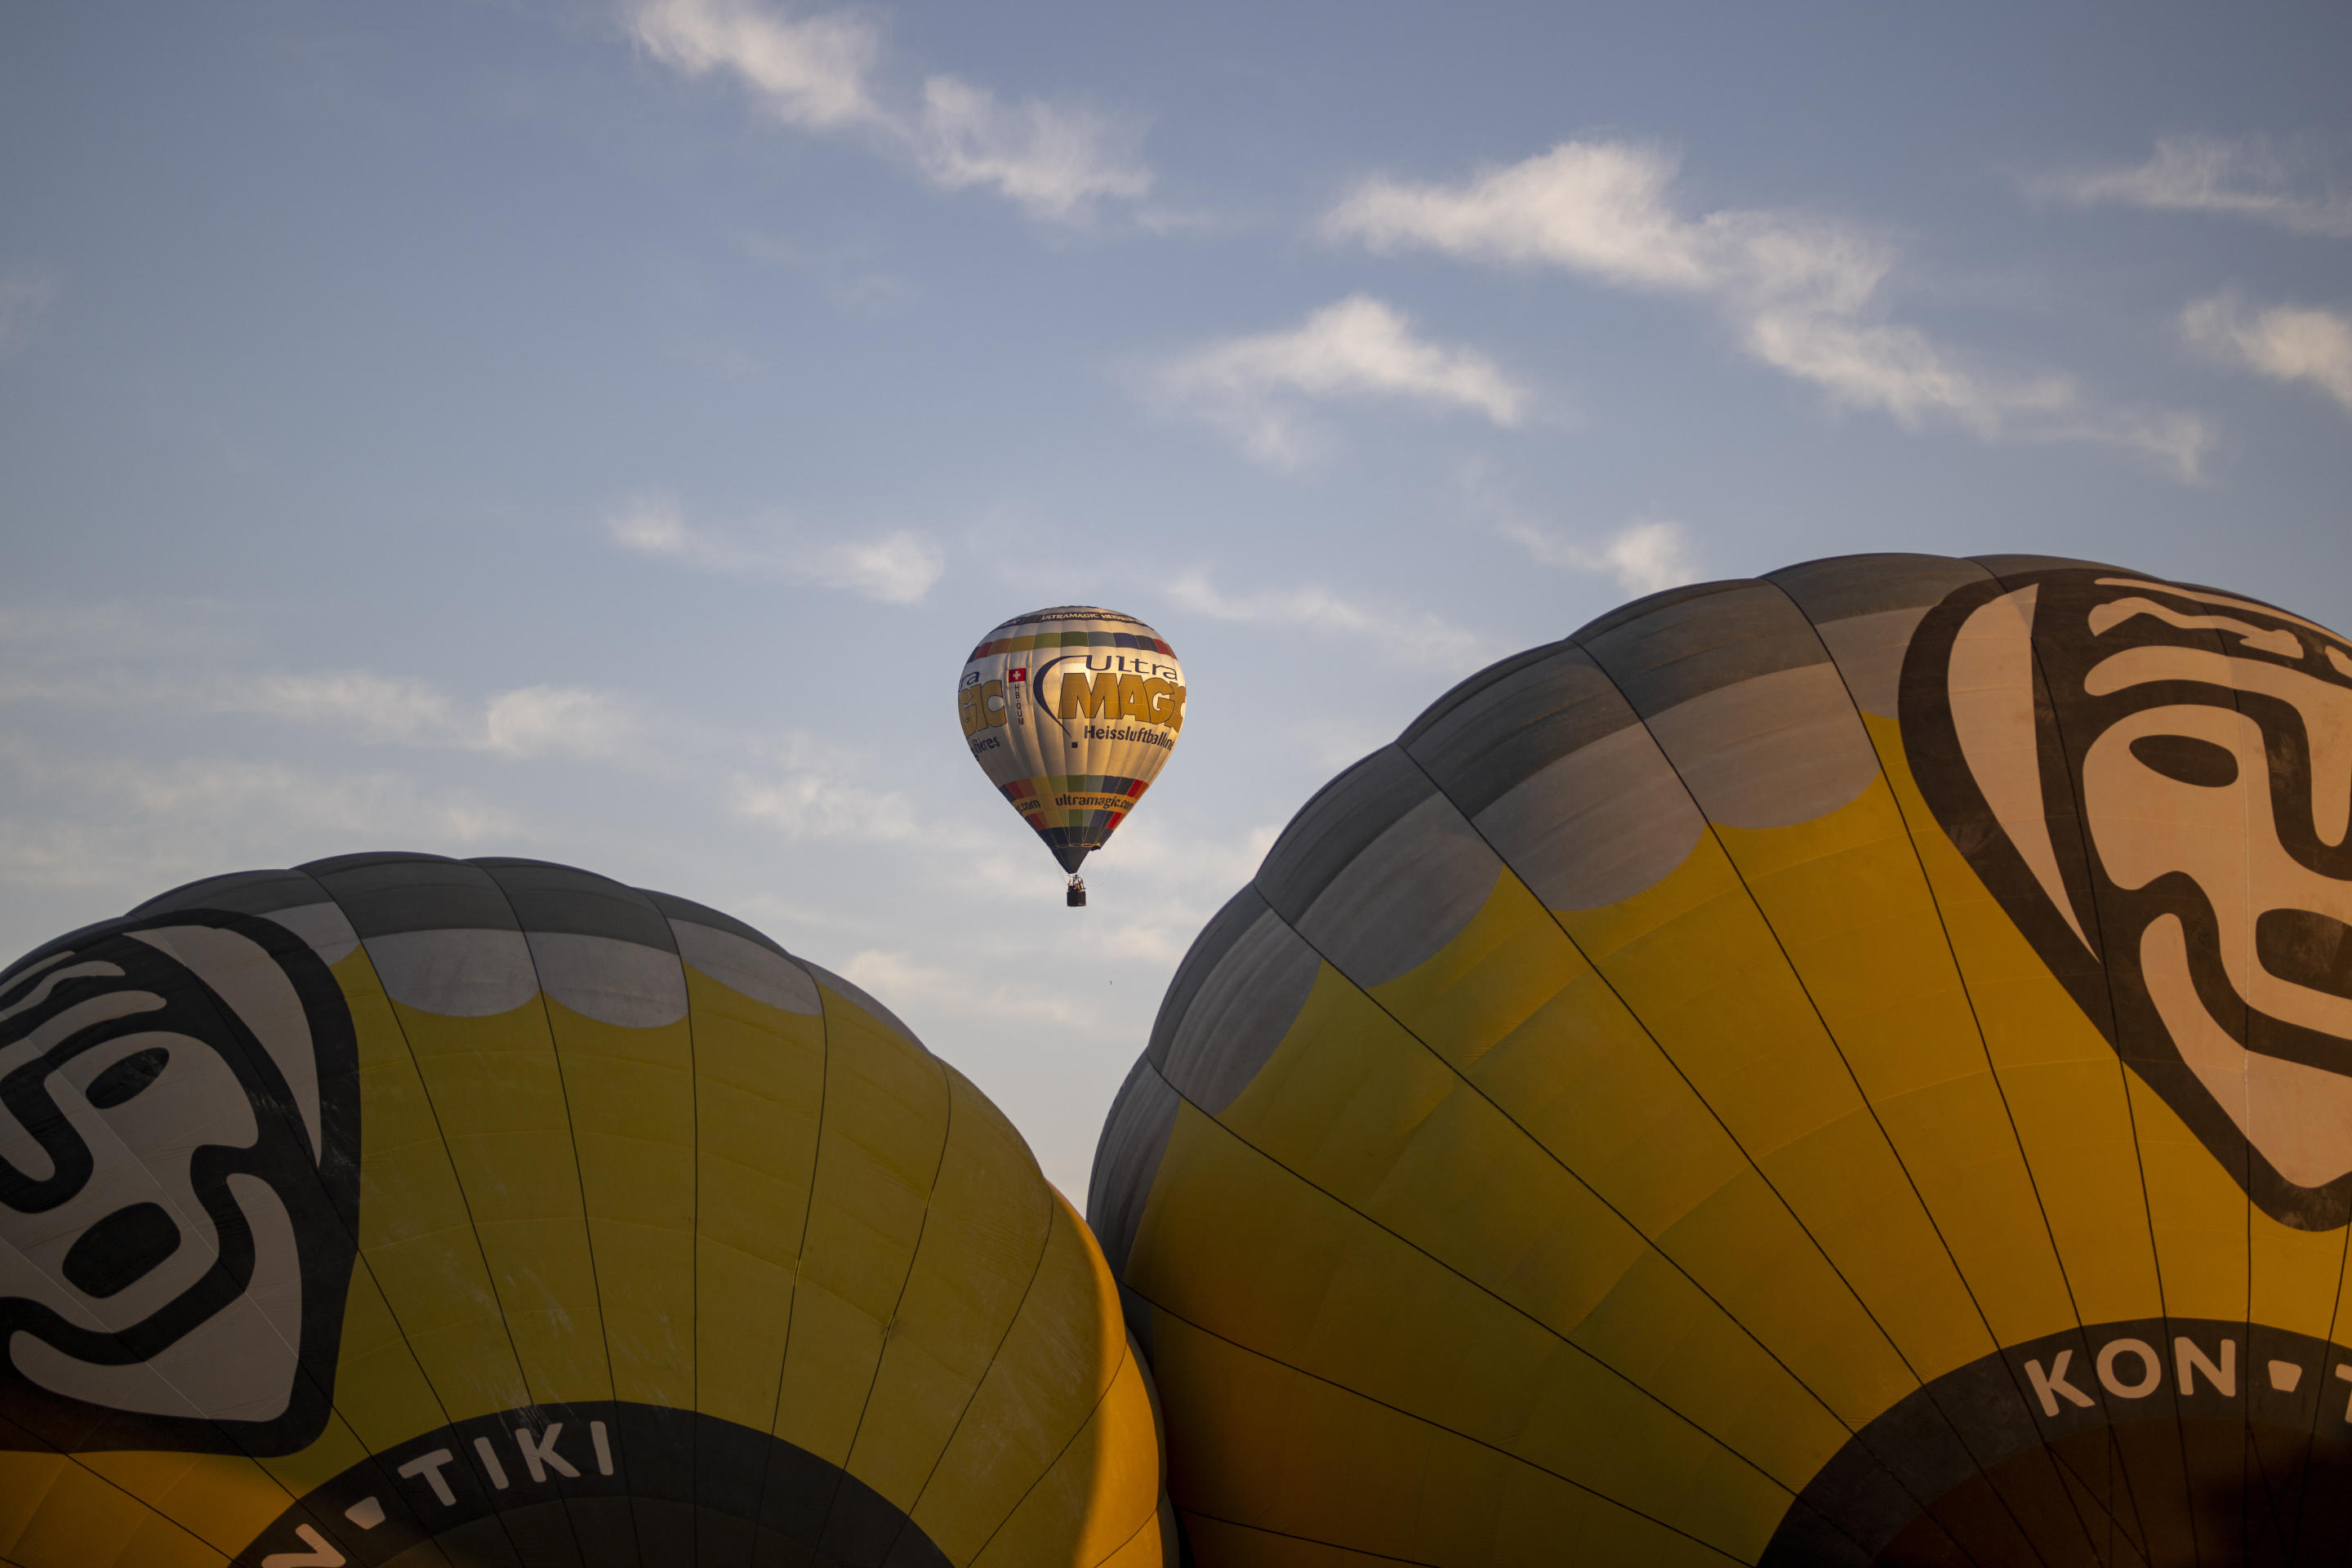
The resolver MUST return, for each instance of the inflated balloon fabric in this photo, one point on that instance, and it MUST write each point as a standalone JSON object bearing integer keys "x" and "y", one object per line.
{"x": 403, "y": 1210}
{"x": 1072, "y": 713}
{"x": 1849, "y": 1066}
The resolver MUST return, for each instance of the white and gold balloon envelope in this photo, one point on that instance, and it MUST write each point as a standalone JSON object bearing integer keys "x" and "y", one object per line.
{"x": 1849, "y": 1066}
{"x": 1072, "y": 713}
{"x": 398, "y": 1210}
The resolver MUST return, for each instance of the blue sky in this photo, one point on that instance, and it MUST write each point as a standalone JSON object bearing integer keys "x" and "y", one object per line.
{"x": 598, "y": 432}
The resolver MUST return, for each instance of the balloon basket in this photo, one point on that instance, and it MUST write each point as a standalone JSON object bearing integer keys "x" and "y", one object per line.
{"x": 1078, "y": 894}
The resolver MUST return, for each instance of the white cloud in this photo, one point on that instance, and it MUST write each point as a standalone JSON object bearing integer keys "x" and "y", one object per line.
{"x": 898, "y": 568}
{"x": 657, "y": 527}
{"x": 1895, "y": 368}
{"x": 2288, "y": 343}
{"x": 558, "y": 721}
{"x": 1056, "y": 162}
{"x": 1596, "y": 207}
{"x": 1805, "y": 295}
{"x": 1642, "y": 557}
{"x": 819, "y": 73}
{"x": 1649, "y": 556}
{"x": 528, "y": 721}
{"x": 2248, "y": 179}
{"x": 895, "y": 568}
{"x": 807, "y": 71}
{"x": 1358, "y": 347}
{"x": 2174, "y": 441}
{"x": 1424, "y": 638}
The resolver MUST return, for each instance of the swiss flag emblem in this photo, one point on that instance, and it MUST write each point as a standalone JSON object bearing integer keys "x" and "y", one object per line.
{"x": 1016, "y": 675}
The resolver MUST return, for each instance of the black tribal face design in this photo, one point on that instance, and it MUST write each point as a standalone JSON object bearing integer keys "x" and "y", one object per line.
{"x": 178, "y": 1178}
{"x": 2156, "y": 780}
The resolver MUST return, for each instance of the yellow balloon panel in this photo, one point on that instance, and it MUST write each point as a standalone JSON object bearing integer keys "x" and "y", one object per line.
{"x": 1847, "y": 1067}
{"x": 405, "y": 1210}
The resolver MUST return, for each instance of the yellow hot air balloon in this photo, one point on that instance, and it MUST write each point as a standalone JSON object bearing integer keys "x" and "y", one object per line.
{"x": 1072, "y": 713}
{"x": 1850, "y": 1067}
{"x": 403, "y": 1210}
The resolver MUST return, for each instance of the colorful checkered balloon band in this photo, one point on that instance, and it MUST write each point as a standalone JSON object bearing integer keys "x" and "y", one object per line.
{"x": 1072, "y": 713}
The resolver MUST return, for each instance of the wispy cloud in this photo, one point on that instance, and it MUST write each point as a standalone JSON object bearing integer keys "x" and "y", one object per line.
{"x": 896, "y": 568}
{"x": 810, "y": 789}
{"x": 75, "y": 821}
{"x": 1056, "y": 161}
{"x": 370, "y": 709}
{"x": 50, "y": 633}
{"x": 22, "y": 297}
{"x": 2287, "y": 342}
{"x": 1251, "y": 387}
{"x": 1599, "y": 208}
{"x": 2252, "y": 179}
{"x": 1408, "y": 637}
{"x": 807, "y": 790}
{"x": 376, "y": 708}
{"x": 809, "y": 72}
{"x": 559, "y": 720}
{"x": 1643, "y": 555}
{"x": 822, "y": 73}
{"x": 1806, "y": 295}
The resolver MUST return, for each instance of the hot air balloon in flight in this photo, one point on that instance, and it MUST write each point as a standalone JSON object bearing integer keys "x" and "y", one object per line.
{"x": 1072, "y": 713}
{"x": 1852, "y": 1067}
{"x": 398, "y": 1210}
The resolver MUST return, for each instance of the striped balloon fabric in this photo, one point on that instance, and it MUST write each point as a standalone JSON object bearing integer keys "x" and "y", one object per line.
{"x": 1072, "y": 713}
